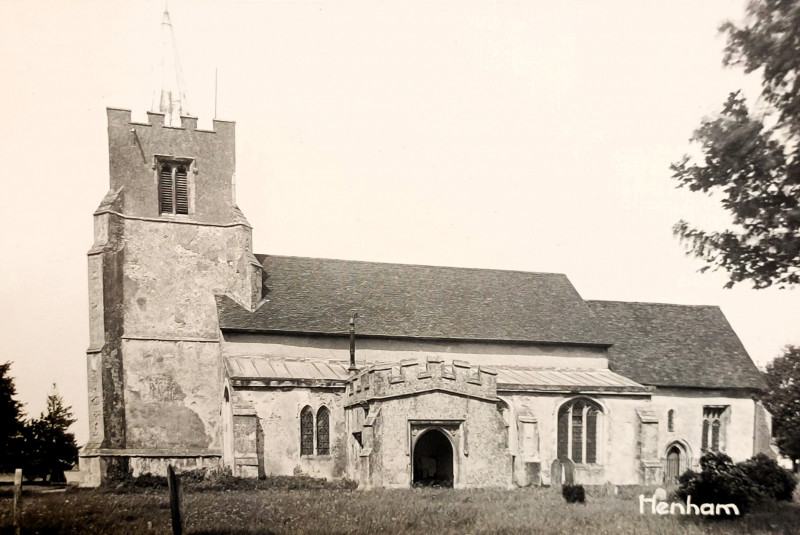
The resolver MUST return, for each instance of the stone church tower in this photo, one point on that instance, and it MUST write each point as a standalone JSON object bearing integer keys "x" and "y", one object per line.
{"x": 168, "y": 237}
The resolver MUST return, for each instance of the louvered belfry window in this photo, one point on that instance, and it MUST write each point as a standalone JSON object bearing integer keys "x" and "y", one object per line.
{"x": 173, "y": 188}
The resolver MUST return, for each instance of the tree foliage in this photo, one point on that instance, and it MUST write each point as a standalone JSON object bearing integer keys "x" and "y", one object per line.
{"x": 782, "y": 400}
{"x": 753, "y": 159}
{"x": 50, "y": 448}
{"x": 11, "y": 421}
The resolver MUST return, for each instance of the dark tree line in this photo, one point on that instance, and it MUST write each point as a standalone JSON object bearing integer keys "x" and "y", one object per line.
{"x": 43, "y": 447}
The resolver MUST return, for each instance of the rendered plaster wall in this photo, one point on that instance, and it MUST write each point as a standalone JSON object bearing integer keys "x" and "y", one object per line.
{"x": 737, "y": 439}
{"x": 372, "y": 351}
{"x": 617, "y": 441}
{"x": 172, "y": 272}
{"x": 480, "y": 453}
{"x": 172, "y": 396}
{"x": 278, "y": 414}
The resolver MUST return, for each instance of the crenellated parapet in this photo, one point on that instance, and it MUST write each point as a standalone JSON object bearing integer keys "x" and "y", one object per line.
{"x": 382, "y": 381}
{"x": 156, "y": 119}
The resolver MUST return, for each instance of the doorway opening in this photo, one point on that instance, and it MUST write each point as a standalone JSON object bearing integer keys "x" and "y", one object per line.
{"x": 674, "y": 464}
{"x": 433, "y": 460}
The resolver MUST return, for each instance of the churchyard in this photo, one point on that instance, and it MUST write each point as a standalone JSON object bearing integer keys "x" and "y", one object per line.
{"x": 428, "y": 511}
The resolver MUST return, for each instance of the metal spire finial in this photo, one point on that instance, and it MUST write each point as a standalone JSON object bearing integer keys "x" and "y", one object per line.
{"x": 170, "y": 97}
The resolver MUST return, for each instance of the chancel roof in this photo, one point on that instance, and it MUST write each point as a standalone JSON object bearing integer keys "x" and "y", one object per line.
{"x": 313, "y": 295}
{"x": 675, "y": 345}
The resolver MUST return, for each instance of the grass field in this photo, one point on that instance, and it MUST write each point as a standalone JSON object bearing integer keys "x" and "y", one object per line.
{"x": 428, "y": 511}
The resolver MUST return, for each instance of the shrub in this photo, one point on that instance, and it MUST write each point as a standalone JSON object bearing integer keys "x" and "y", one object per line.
{"x": 719, "y": 482}
{"x": 194, "y": 476}
{"x": 573, "y": 493}
{"x": 774, "y": 481}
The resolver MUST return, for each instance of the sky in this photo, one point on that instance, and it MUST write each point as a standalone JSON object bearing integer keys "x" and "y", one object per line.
{"x": 531, "y": 136}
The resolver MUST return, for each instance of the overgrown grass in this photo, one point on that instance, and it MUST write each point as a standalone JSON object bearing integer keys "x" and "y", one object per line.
{"x": 327, "y": 511}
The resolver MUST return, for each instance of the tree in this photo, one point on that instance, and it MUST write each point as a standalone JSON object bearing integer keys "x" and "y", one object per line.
{"x": 11, "y": 421}
{"x": 753, "y": 160}
{"x": 782, "y": 400}
{"x": 49, "y": 448}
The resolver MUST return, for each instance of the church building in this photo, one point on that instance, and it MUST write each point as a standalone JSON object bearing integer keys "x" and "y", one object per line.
{"x": 204, "y": 353}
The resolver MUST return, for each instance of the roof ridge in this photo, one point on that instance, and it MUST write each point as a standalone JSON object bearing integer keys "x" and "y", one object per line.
{"x": 401, "y": 264}
{"x": 648, "y": 303}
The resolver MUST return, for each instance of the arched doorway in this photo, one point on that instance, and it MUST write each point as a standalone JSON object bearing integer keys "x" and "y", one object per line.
{"x": 674, "y": 464}
{"x": 433, "y": 459}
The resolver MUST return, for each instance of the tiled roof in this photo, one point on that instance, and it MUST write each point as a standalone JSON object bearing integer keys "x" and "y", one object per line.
{"x": 675, "y": 345}
{"x": 277, "y": 371}
{"x": 311, "y": 295}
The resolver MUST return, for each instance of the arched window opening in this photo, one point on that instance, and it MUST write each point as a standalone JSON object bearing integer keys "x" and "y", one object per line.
{"x": 227, "y": 395}
{"x": 671, "y": 420}
{"x": 306, "y": 431}
{"x": 578, "y": 423}
{"x": 323, "y": 437}
{"x": 173, "y": 189}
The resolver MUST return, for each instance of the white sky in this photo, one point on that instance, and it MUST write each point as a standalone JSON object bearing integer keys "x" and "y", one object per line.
{"x": 516, "y": 135}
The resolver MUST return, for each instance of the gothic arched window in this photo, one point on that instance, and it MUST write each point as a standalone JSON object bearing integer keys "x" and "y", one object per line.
{"x": 306, "y": 431}
{"x": 578, "y": 431}
{"x": 323, "y": 436}
{"x": 671, "y": 420}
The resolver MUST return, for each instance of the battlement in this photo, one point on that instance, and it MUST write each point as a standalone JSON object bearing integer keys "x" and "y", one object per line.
{"x": 156, "y": 119}
{"x": 382, "y": 381}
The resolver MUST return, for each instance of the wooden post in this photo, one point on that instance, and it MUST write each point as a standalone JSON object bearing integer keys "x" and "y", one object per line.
{"x": 17, "y": 501}
{"x": 174, "y": 501}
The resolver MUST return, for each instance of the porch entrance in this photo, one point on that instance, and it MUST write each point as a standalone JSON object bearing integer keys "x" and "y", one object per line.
{"x": 433, "y": 459}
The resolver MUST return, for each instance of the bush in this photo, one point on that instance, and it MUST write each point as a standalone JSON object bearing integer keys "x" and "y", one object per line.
{"x": 573, "y": 493}
{"x": 719, "y": 482}
{"x": 144, "y": 482}
{"x": 774, "y": 481}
